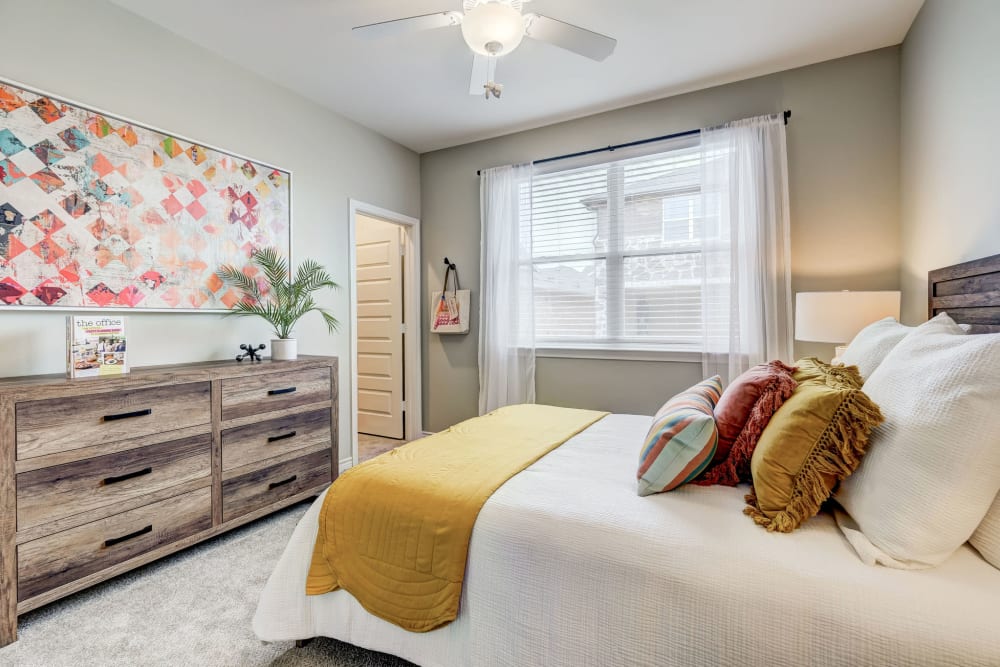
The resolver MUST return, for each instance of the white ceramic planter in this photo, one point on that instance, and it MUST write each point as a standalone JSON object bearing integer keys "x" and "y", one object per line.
{"x": 284, "y": 349}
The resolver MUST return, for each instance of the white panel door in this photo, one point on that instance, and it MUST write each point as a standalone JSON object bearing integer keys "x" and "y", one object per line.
{"x": 379, "y": 285}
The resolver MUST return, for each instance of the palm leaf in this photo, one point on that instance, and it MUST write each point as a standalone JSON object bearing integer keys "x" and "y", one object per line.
{"x": 240, "y": 280}
{"x": 275, "y": 270}
{"x": 311, "y": 276}
{"x": 332, "y": 324}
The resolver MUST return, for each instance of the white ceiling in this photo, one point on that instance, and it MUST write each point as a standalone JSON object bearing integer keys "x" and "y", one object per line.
{"x": 414, "y": 88}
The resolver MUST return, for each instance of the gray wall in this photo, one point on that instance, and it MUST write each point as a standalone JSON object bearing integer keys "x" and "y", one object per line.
{"x": 950, "y": 104}
{"x": 103, "y": 56}
{"x": 843, "y": 152}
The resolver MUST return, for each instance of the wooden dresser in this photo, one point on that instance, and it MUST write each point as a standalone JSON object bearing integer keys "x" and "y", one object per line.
{"x": 102, "y": 475}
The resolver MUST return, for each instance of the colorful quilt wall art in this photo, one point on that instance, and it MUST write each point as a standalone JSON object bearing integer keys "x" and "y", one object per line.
{"x": 98, "y": 212}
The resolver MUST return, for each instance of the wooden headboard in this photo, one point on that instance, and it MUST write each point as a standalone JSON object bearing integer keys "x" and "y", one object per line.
{"x": 969, "y": 292}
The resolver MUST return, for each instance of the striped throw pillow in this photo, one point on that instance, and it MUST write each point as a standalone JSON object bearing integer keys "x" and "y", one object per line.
{"x": 682, "y": 440}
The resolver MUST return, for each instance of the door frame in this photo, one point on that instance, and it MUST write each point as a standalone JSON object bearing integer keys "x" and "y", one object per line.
{"x": 413, "y": 420}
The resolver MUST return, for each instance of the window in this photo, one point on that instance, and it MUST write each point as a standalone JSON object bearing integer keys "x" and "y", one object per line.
{"x": 618, "y": 252}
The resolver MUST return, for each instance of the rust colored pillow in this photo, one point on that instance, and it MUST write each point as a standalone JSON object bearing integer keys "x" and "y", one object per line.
{"x": 741, "y": 415}
{"x": 814, "y": 441}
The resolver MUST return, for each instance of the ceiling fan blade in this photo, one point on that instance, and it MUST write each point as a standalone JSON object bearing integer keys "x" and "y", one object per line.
{"x": 573, "y": 38}
{"x": 480, "y": 74}
{"x": 411, "y": 24}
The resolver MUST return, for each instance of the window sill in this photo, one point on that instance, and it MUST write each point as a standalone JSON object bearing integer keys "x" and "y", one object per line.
{"x": 687, "y": 356}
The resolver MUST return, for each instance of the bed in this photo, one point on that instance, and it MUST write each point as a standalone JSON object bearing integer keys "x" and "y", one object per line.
{"x": 568, "y": 566}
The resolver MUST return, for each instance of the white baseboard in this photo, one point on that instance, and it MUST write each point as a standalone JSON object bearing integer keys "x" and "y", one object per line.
{"x": 427, "y": 433}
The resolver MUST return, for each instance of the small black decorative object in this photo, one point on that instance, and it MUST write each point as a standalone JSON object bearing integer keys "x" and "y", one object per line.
{"x": 250, "y": 352}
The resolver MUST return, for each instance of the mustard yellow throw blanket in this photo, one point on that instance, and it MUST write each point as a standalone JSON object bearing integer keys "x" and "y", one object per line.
{"x": 394, "y": 531}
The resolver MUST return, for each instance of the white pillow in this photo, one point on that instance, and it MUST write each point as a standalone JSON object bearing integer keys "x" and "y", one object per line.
{"x": 933, "y": 468}
{"x": 986, "y": 539}
{"x": 873, "y": 343}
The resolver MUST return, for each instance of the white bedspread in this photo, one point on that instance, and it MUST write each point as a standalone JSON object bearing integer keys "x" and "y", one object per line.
{"x": 568, "y": 566}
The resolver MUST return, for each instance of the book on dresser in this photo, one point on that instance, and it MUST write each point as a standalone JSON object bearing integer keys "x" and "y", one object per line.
{"x": 95, "y": 346}
{"x": 103, "y": 474}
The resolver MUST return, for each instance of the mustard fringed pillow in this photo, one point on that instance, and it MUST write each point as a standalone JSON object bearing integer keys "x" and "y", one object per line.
{"x": 814, "y": 440}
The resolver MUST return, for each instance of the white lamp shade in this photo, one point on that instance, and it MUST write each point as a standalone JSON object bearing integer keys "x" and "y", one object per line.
{"x": 836, "y": 317}
{"x": 493, "y": 22}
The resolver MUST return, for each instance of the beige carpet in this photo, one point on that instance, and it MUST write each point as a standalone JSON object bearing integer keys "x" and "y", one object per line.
{"x": 192, "y": 609}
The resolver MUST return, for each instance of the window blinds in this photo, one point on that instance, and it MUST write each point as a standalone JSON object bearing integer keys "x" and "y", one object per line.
{"x": 618, "y": 248}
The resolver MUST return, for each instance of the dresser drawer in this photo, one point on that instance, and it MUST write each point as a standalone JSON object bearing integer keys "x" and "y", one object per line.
{"x": 52, "y": 493}
{"x": 267, "y": 392}
{"x": 260, "y": 488}
{"x": 62, "y": 424}
{"x": 274, "y": 437}
{"x": 61, "y": 558}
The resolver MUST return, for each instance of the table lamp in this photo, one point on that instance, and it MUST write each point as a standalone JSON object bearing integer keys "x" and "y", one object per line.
{"x": 836, "y": 317}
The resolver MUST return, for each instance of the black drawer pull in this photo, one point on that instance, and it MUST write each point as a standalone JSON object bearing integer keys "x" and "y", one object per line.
{"x": 128, "y": 415}
{"x": 273, "y": 485}
{"x": 283, "y": 436}
{"x": 286, "y": 390}
{"x": 122, "y": 478}
{"x": 118, "y": 540}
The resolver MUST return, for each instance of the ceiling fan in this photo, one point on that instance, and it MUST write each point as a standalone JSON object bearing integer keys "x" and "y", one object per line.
{"x": 494, "y": 28}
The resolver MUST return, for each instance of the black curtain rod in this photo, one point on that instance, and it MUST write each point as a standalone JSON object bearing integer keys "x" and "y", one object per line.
{"x": 787, "y": 114}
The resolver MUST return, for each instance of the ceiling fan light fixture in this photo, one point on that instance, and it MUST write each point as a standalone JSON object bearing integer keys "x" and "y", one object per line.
{"x": 493, "y": 28}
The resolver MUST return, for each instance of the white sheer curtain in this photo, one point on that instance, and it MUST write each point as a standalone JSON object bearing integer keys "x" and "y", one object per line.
{"x": 746, "y": 304}
{"x": 506, "y": 313}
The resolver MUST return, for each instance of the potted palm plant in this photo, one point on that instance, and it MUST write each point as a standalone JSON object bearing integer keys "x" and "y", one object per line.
{"x": 278, "y": 298}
